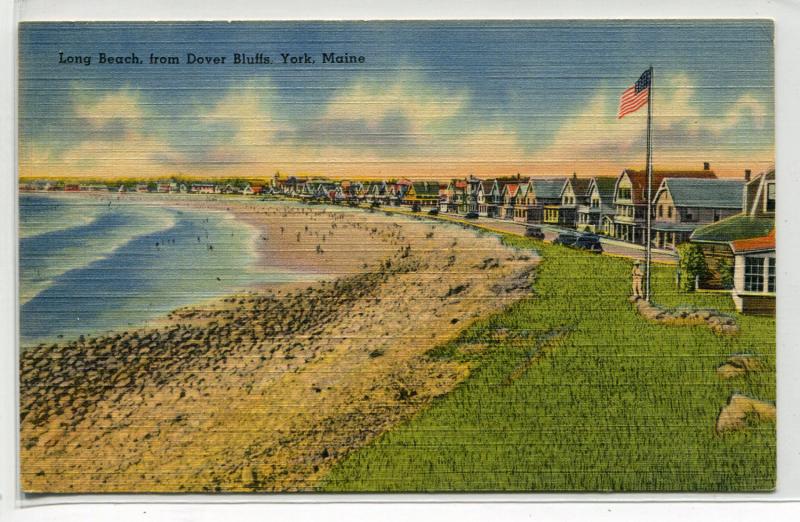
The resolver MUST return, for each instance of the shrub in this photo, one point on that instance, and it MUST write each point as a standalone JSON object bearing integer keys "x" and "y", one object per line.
{"x": 725, "y": 268}
{"x": 692, "y": 264}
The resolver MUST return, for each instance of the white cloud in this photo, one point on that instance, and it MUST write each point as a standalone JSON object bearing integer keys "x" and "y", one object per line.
{"x": 244, "y": 133}
{"x": 124, "y": 104}
{"x": 681, "y": 129}
{"x": 425, "y": 107}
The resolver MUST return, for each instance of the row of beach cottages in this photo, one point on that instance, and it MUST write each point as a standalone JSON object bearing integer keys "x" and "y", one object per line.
{"x": 426, "y": 194}
{"x": 168, "y": 187}
{"x": 161, "y": 187}
{"x": 614, "y": 206}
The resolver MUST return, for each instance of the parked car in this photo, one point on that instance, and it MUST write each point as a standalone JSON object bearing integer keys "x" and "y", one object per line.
{"x": 534, "y": 232}
{"x": 434, "y": 212}
{"x": 590, "y": 242}
{"x": 566, "y": 239}
{"x": 375, "y": 204}
{"x": 471, "y": 215}
{"x": 415, "y": 207}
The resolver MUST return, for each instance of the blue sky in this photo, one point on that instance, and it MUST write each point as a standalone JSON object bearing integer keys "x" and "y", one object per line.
{"x": 433, "y": 99}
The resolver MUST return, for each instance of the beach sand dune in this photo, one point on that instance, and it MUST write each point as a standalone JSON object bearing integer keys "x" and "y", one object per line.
{"x": 265, "y": 391}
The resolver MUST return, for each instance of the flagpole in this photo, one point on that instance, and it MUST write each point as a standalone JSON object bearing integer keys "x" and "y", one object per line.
{"x": 648, "y": 248}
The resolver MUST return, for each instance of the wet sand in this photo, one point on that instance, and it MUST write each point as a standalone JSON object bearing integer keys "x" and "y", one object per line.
{"x": 265, "y": 391}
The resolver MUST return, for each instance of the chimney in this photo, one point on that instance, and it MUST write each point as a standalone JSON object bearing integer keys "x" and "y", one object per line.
{"x": 574, "y": 175}
{"x": 518, "y": 176}
{"x": 747, "y": 174}
{"x": 706, "y": 165}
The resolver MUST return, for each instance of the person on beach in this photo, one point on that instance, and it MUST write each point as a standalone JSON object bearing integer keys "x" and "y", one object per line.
{"x": 637, "y": 275}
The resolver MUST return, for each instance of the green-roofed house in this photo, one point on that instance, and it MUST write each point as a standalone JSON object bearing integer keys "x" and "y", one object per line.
{"x": 681, "y": 205}
{"x": 422, "y": 193}
{"x": 756, "y": 220}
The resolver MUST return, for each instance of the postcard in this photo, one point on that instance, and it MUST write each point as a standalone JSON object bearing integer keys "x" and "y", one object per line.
{"x": 409, "y": 256}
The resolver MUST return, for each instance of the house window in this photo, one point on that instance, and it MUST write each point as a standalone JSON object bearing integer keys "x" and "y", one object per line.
{"x": 770, "y": 197}
{"x": 771, "y": 274}
{"x": 661, "y": 211}
{"x": 716, "y": 215}
{"x": 624, "y": 193}
{"x": 754, "y": 274}
{"x": 669, "y": 212}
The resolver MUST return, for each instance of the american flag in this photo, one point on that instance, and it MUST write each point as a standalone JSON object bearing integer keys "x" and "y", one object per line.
{"x": 635, "y": 96}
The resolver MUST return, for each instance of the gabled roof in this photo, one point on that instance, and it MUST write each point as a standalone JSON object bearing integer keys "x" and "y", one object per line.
{"x": 548, "y": 188}
{"x": 605, "y": 186}
{"x": 430, "y": 188}
{"x": 511, "y": 188}
{"x": 736, "y": 227}
{"x": 708, "y": 193}
{"x": 580, "y": 186}
{"x": 502, "y": 182}
{"x": 754, "y": 244}
{"x": 639, "y": 180}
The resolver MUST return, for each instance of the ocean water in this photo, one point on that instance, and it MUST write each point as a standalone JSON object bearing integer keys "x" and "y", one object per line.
{"x": 90, "y": 265}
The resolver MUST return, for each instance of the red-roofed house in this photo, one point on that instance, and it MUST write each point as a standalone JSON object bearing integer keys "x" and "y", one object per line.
{"x": 754, "y": 274}
{"x": 509, "y": 195}
{"x": 630, "y": 199}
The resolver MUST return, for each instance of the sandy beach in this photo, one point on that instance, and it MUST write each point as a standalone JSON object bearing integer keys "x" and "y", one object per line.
{"x": 264, "y": 391}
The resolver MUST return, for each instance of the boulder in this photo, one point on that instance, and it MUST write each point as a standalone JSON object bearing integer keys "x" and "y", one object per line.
{"x": 737, "y": 365}
{"x": 742, "y": 412}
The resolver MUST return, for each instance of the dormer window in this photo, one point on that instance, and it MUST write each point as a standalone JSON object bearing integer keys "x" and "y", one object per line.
{"x": 770, "y": 202}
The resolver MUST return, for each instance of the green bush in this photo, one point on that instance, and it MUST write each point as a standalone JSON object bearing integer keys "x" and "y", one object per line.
{"x": 725, "y": 268}
{"x": 692, "y": 264}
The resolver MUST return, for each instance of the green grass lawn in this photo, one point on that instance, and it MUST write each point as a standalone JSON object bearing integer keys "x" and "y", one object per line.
{"x": 576, "y": 392}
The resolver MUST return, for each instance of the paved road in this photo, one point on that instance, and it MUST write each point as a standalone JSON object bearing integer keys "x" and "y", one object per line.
{"x": 610, "y": 246}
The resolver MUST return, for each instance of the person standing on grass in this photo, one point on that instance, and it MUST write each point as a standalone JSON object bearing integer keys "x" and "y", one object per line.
{"x": 637, "y": 275}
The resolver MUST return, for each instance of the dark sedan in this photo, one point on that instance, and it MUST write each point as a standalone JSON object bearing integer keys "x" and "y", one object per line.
{"x": 534, "y": 232}
{"x": 589, "y": 242}
{"x": 566, "y": 239}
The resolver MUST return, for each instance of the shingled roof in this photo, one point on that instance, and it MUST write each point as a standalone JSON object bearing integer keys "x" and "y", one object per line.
{"x": 427, "y": 188}
{"x": 754, "y": 244}
{"x": 740, "y": 226}
{"x": 548, "y": 188}
{"x": 707, "y": 193}
{"x": 639, "y": 180}
{"x": 580, "y": 186}
{"x": 512, "y": 188}
{"x": 605, "y": 185}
